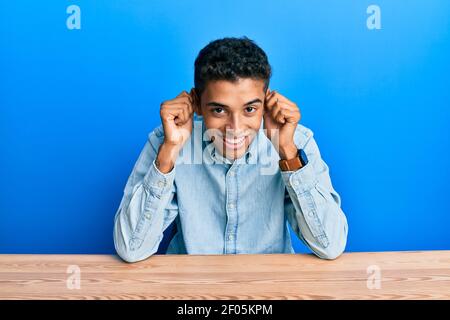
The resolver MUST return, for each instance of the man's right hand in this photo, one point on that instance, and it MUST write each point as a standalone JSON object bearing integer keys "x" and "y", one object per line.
{"x": 177, "y": 120}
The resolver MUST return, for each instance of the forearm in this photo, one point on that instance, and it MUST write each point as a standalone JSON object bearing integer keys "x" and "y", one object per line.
{"x": 166, "y": 158}
{"x": 142, "y": 216}
{"x": 317, "y": 212}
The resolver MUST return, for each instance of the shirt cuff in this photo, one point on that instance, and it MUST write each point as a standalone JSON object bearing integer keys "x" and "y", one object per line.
{"x": 301, "y": 180}
{"x": 158, "y": 183}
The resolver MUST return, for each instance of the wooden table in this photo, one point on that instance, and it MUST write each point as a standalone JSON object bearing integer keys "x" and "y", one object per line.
{"x": 402, "y": 275}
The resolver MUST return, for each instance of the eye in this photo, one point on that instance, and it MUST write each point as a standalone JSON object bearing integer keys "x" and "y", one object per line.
{"x": 218, "y": 110}
{"x": 250, "y": 109}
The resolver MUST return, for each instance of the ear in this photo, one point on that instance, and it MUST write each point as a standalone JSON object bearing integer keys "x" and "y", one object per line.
{"x": 196, "y": 101}
{"x": 264, "y": 103}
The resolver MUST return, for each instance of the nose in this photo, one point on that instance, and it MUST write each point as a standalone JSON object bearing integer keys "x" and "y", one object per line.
{"x": 234, "y": 125}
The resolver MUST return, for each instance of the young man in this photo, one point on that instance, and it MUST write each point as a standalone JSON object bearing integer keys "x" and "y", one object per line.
{"x": 232, "y": 166}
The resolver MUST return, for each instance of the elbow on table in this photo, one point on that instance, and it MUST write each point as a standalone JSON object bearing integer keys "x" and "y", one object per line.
{"x": 127, "y": 257}
{"x": 336, "y": 246}
{"x": 334, "y": 249}
{"x": 330, "y": 250}
{"x": 132, "y": 256}
{"x": 127, "y": 254}
{"x": 129, "y": 248}
{"x": 332, "y": 253}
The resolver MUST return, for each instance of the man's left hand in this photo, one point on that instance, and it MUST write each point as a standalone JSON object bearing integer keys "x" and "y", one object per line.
{"x": 281, "y": 117}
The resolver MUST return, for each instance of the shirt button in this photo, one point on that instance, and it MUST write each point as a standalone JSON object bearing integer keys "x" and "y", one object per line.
{"x": 230, "y": 237}
{"x": 160, "y": 184}
{"x": 231, "y": 206}
{"x": 295, "y": 183}
{"x": 147, "y": 215}
{"x": 232, "y": 174}
{"x": 310, "y": 214}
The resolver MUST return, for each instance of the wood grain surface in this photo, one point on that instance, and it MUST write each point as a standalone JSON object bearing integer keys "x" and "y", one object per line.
{"x": 402, "y": 275}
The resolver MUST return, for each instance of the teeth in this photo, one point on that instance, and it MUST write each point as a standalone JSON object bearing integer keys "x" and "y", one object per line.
{"x": 234, "y": 142}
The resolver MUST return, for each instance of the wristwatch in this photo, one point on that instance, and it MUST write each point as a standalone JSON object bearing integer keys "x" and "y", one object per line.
{"x": 294, "y": 164}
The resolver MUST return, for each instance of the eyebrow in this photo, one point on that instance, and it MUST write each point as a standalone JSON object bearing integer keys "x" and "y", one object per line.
{"x": 217, "y": 104}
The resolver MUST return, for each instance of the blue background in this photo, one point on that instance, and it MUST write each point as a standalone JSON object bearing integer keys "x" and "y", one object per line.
{"x": 76, "y": 107}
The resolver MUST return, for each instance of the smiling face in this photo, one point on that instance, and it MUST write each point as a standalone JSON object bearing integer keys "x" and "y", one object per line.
{"x": 232, "y": 112}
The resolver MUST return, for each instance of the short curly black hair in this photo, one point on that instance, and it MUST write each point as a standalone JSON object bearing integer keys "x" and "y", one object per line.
{"x": 230, "y": 59}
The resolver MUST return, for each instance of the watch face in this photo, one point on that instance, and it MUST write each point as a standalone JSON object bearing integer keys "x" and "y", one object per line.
{"x": 302, "y": 155}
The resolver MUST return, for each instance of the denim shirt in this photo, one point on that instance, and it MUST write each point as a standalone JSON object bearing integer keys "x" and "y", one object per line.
{"x": 229, "y": 207}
